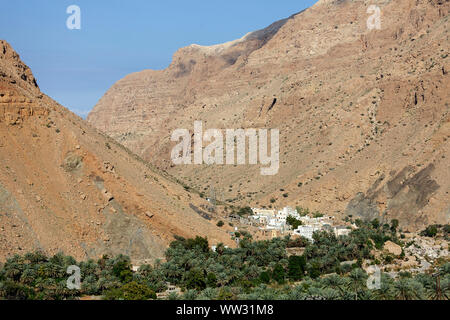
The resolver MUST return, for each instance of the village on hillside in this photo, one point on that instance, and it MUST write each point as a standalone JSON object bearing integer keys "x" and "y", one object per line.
{"x": 274, "y": 223}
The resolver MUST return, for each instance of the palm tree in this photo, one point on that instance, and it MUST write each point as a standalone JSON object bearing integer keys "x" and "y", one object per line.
{"x": 13, "y": 271}
{"x": 208, "y": 294}
{"x": 334, "y": 282}
{"x": 356, "y": 281}
{"x": 432, "y": 289}
{"x": 385, "y": 292}
{"x": 330, "y": 294}
{"x": 407, "y": 289}
{"x": 445, "y": 288}
{"x": 297, "y": 293}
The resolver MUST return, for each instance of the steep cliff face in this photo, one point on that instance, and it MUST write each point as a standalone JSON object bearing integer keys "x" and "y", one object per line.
{"x": 66, "y": 187}
{"x": 363, "y": 114}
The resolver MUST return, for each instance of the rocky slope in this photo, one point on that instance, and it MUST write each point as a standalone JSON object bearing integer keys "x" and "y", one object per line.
{"x": 363, "y": 114}
{"x": 66, "y": 187}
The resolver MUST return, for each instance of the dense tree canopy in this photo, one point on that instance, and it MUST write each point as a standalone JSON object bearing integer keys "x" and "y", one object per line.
{"x": 254, "y": 270}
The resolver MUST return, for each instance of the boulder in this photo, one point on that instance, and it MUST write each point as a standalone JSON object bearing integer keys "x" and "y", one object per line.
{"x": 149, "y": 214}
{"x": 392, "y": 248}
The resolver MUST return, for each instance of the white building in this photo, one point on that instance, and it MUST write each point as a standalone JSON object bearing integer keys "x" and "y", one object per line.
{"x": 307, "y": 231}
{"x": 263, "y": 212}
{"x": 276, "y": 224}
{"x": 214, "y": 248}
{"x": 341, "y": 231}
{"x": 272, "y": 220}
{"x": 288, "y": 211}
{"x": 263, "y": 216}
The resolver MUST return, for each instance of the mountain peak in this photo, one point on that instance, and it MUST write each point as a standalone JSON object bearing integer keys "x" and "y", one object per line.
{"x": 14, "y": 70}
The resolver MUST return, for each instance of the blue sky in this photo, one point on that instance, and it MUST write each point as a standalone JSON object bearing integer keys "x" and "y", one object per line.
{"x": 76, "y": 67}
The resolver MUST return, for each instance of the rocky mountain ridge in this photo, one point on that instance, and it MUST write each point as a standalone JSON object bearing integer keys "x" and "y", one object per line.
{"x": 66, "y": 187}
{"x": 363, "y": 114}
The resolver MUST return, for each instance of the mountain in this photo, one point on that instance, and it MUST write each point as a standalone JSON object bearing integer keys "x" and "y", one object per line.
{"x": 363, "y": 113}
{"x": 64, "y": 186}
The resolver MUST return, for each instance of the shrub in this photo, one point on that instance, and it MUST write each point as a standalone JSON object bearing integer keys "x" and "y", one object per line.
{"x": 430, "y": 231}
{"x": 300, "y": 242}
{"x": 296, "y": 267}
{"x": 447, "y": 228}
{"x": 122, "y": 268}
{"x": 197, "y": 243}
{"x": 375, "y": 223}
{"x": 16, "y": 291}
{"x": 302, "y": 212}
{"x": 295, "y": 223}
{"x": 245, "y": 211}
{"x": 388, "y": 259}
{"x": 131, "y": 291}
{"x": 264, "y": 277}
{"x": 318, "y": 215}
{"x": 211, "y": 280}
{"x": 279, "y": 274}
{"x": 394, "y": 224}
{"x": 225, "y": 294}
{"x": 195, "y": 280}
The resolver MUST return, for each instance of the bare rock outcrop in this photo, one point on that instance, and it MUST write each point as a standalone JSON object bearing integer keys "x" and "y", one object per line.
{"x": 392, "y": 248}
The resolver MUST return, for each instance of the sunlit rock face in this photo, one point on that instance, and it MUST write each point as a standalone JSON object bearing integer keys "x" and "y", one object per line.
{"x": 362, "y": 113}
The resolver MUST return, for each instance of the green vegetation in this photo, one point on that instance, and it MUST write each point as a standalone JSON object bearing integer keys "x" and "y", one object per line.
{"x": 293, "y": 222}
{"x": 436, "y": 230}
{"x": 296, "y": 268}
{"x": 130, "y": 291}
{"x": 256, "y": 270}
{"x": 318, "y": 215}
{"x": 430, "y": 231}
{"x": 447, "y": 229}
{"x": 245, "y": 211}
{"x": 302, "y": 212}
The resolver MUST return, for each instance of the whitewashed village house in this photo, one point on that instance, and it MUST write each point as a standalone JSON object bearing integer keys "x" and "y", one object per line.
{"x": 275, "y": 223}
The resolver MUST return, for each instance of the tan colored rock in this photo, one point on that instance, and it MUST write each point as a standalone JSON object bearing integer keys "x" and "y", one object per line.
{"x": 392, "y": 248}
{"x": 149, "y": 214}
